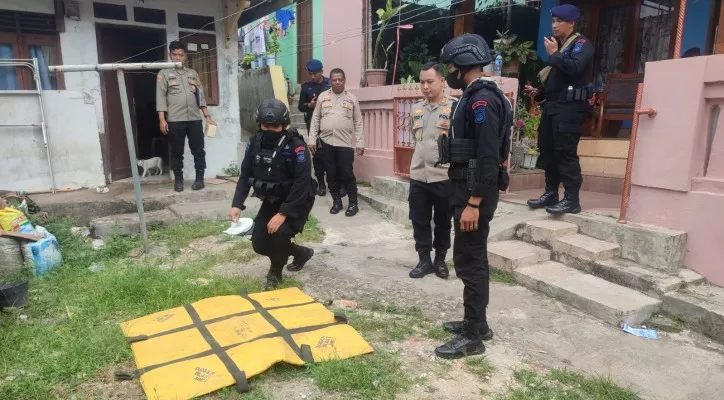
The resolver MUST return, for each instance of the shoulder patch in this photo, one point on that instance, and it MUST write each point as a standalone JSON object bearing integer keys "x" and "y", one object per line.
{"x": 480, "y": 104}
{"x": 300, "y": 154}
{"x": 581, "y": 40}
{"x": 299, "y": 149}
{"x": 480, "y": 115}
{"x": 577, "y": 48}
{"x": 248, "y": 147}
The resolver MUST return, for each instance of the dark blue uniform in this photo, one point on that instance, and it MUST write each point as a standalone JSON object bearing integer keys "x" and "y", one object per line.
{"x": 311, "y": 90}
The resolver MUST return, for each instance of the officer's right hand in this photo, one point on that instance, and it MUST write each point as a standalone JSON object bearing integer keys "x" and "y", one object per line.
{"x": 164, "y": 127}
{"x": 312, "y": 104}
{"x": 530, "y": 90}
{"x": 312, "y": 148}
{"x": 234, "y": 214}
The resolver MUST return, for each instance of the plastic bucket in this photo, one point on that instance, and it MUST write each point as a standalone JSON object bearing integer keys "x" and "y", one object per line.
{"x": 14, "y": 294}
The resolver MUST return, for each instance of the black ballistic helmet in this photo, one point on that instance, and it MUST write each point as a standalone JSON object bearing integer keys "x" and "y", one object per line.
{"x": 272, "y": 111}
{"x": 467, "y": 50}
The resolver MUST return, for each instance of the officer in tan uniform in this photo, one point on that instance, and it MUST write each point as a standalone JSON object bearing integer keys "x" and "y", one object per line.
{"x": 180, "y": 103}
{"x": 429, "y": 182}
{"x": 336, "y": 118}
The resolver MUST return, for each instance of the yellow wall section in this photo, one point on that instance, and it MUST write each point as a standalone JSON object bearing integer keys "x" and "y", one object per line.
{"x": 279, "y": 84}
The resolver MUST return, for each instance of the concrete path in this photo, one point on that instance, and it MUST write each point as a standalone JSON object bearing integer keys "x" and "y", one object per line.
{"x": 367, "y": 257}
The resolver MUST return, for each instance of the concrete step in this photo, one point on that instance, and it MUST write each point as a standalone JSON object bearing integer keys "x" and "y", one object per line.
{"x": 509, "y": 255}
{"x": 395, "y": 210}
{"x": 650, "y": 246}
{"x": 297, "y": 118}
{"x": 546, "y": 231}
{"x": 650, "y": 281}
{"x": 701, "y": 307}
{"x": 586, "y": 248}
{"x": 128, "y": 224}
{"x": 205, "y": 210}
{"x": 392, "y": 187}
{"x": 610, "y": 302}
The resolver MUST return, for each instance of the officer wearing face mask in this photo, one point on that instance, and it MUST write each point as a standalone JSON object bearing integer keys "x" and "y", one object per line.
{"x": 477, "y": 146}
{"x": 277, "y": 165}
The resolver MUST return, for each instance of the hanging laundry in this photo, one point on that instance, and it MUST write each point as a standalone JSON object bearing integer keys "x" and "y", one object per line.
{"x": 284, "y": 17}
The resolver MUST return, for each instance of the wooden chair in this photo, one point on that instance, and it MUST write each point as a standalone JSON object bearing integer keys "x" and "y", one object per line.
{"x": 617, "y": 101}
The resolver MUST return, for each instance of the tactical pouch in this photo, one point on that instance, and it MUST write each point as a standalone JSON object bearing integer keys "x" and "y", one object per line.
{"x": 443, "y": 145}
{"x": 503, "y": 178}
{"x": 462, "y": 150}
{"x": 470, "y": 173}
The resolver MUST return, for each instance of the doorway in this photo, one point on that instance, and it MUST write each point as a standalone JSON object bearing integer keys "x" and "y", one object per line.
{"x": 116, "y": 43}
{"x": 305, "y": 39}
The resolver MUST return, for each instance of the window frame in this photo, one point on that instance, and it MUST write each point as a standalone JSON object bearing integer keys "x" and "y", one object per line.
{"x": 20, "y": 43}
{"x": 212, "y": 99}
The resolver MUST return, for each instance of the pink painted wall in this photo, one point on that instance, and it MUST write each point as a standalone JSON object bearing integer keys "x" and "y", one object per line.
{"x": 378, "y": 120}
{"x": 678, "y": 168}
{"x": 343, "y": 39}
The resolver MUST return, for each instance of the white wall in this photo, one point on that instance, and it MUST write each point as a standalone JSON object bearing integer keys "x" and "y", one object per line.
{"x": 78, "y": 46}
{"x": 75, "y": 150}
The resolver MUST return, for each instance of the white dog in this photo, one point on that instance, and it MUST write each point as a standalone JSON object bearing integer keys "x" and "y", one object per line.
{"x": 151, "y": 163}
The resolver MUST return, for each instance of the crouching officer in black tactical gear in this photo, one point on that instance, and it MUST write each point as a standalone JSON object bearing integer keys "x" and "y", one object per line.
{"x": 277, "y": 164}
{"x": 564, "y": 112}
{"x": 476, "y": 149}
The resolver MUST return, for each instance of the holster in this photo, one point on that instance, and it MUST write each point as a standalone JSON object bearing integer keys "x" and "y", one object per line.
{"x": 443, "y": 146}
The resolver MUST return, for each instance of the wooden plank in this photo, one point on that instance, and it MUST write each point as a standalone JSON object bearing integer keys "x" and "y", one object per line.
{"x": 18, "y": 235}
{"x": 719, "y": 44}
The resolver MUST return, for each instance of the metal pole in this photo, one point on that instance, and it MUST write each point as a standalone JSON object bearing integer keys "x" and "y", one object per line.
{"x": 44, "y": 126}
{"x": 680, "y": 29}
{"x": 132, "y": 155}
{"x": 629, "y": 162}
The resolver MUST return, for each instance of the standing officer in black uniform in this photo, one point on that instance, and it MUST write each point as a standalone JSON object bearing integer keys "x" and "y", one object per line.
{"x": 564, "y": 112}
{"x": 478, "y": 147}
{"x": 311, "y": 90}
{"x": 277, "y": 165}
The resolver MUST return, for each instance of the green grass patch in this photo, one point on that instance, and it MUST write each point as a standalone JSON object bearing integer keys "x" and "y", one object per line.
{"x": 313, "y": 232}
{"x": 368, "y": 377}
{"x": 480, "y": 366}
{"x": 562, "y": 384}
{"x": 499, "y": 276}
{"x": 71, "y": 332}
{"x": 437, "y": 333}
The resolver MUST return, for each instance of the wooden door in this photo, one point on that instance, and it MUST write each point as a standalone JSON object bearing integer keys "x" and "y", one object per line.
{"x": 719, "y": 33}
{"x": 305, "y": 39}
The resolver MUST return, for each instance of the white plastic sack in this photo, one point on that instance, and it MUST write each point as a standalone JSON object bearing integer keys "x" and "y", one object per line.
{"x": 240, "y": 228}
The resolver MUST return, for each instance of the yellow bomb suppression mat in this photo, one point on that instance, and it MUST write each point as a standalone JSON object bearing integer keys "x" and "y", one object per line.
{"x": 221, "y": 341}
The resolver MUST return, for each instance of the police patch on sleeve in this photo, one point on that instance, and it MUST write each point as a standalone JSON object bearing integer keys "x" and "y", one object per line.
{"x": 579, "y": 46}
{"x": 248, "y": 147}
{"x": 480, "y": 110}
{"x": 300, "y": 154}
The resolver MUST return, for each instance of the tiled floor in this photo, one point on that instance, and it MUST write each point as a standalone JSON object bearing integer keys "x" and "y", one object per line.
{"x": 590, "y": 201}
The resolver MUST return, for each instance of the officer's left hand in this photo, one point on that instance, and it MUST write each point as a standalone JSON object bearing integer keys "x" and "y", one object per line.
{"x": 469, "y": 219}
{"x": 551, "y": 45}
{"x": 210, "y": 121}
{"x": 275, "y": 223}
{"x": 360, "y": 151}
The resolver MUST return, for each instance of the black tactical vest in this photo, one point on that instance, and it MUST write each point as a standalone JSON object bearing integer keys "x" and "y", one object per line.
{"x": 270, "y": 179}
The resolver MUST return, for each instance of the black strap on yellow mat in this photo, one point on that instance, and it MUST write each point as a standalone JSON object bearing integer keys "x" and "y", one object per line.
{"x": 140, "y": 338}
{"x": 239, "y": 376}
{"x": 304, "y": 352}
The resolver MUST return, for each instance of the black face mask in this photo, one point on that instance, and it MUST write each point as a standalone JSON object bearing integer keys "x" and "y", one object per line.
{"x": 455, "y": 80}
{"x": 269, "y": 137}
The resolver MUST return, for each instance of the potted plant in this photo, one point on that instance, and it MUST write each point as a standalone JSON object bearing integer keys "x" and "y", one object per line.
{"x": 514, "y": 52}
{"x": 245, "y": 63}
{"x": 377, "y": 75}
{"x": 272, "y": 46}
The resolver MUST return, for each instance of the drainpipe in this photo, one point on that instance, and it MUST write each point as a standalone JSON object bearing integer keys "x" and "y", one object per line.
{"x": 680, "y": 29}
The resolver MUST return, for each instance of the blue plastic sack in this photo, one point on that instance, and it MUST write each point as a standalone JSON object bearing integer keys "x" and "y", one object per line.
{"x": 44, "y": 255}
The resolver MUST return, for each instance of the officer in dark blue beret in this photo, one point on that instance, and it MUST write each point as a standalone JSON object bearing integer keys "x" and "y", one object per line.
{"x": 565, "y": 110}
{"x": 317, "y": 84}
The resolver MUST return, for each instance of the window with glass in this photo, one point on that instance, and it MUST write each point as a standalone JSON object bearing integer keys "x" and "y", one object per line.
{"x": 202, "y": 58}
{"x": 656, "y": 21}
{"x": 26, "y": 36}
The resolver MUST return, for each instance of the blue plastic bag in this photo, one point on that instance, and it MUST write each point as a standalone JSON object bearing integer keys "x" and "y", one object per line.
{"x": 43, "y": 255}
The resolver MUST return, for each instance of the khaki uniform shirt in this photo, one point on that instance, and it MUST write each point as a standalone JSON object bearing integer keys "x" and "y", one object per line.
{"x": 335, "y": 119}
{"x": 177, "y": 91}
{"x": 428, "y": 122}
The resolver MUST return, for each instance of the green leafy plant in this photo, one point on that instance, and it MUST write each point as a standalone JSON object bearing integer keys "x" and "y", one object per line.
{"x": 409, "y": 79}
{"x": 245, "y": 63}
{"x": 507, "y": 44}
{"x": 527, "y": 123}
{"x": 384, "y": 15}
{"x": 272, "y": 45}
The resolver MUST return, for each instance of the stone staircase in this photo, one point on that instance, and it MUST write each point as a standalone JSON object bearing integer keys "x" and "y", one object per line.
{"x": 297, "y": 116}
{"x": 615, "y": 272}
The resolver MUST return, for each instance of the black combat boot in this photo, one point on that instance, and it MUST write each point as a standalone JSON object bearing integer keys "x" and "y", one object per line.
{"x": 569, "y": 205}
{"x": 352, "y": 208}
{"x": 549, "y": 198}
{"x": 199, "y": 182}
{"x": 458, "y": 327}
{"x": 301, "y": 256}
{"x": 274, "y": 277}
{"x": 440, "y": 267}
{"x": 321, "y": 189}
{"x": 337, "y": 205}
{"x": 467, "y": 343}
{"x": 423, "y": 267}
{"x": 178, "y": 184}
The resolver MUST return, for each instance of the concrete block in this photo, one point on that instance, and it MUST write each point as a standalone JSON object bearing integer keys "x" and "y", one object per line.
{"x": 545, "y": 231}
{"x": 204, "y": 210}
{"x": 650, "y": 246}
{"x": 510, "y": 255}
{"x": 393, "y": 209}
{"x": 701, "y": 307}
{"x": 392, "y": 187}
{"x": 610, "y": 302}
{"x": 690, "y": 277}
{"x": 128, "y": 224}
{"x": 586, "y": 248}
{"x": 653, "y": 282}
